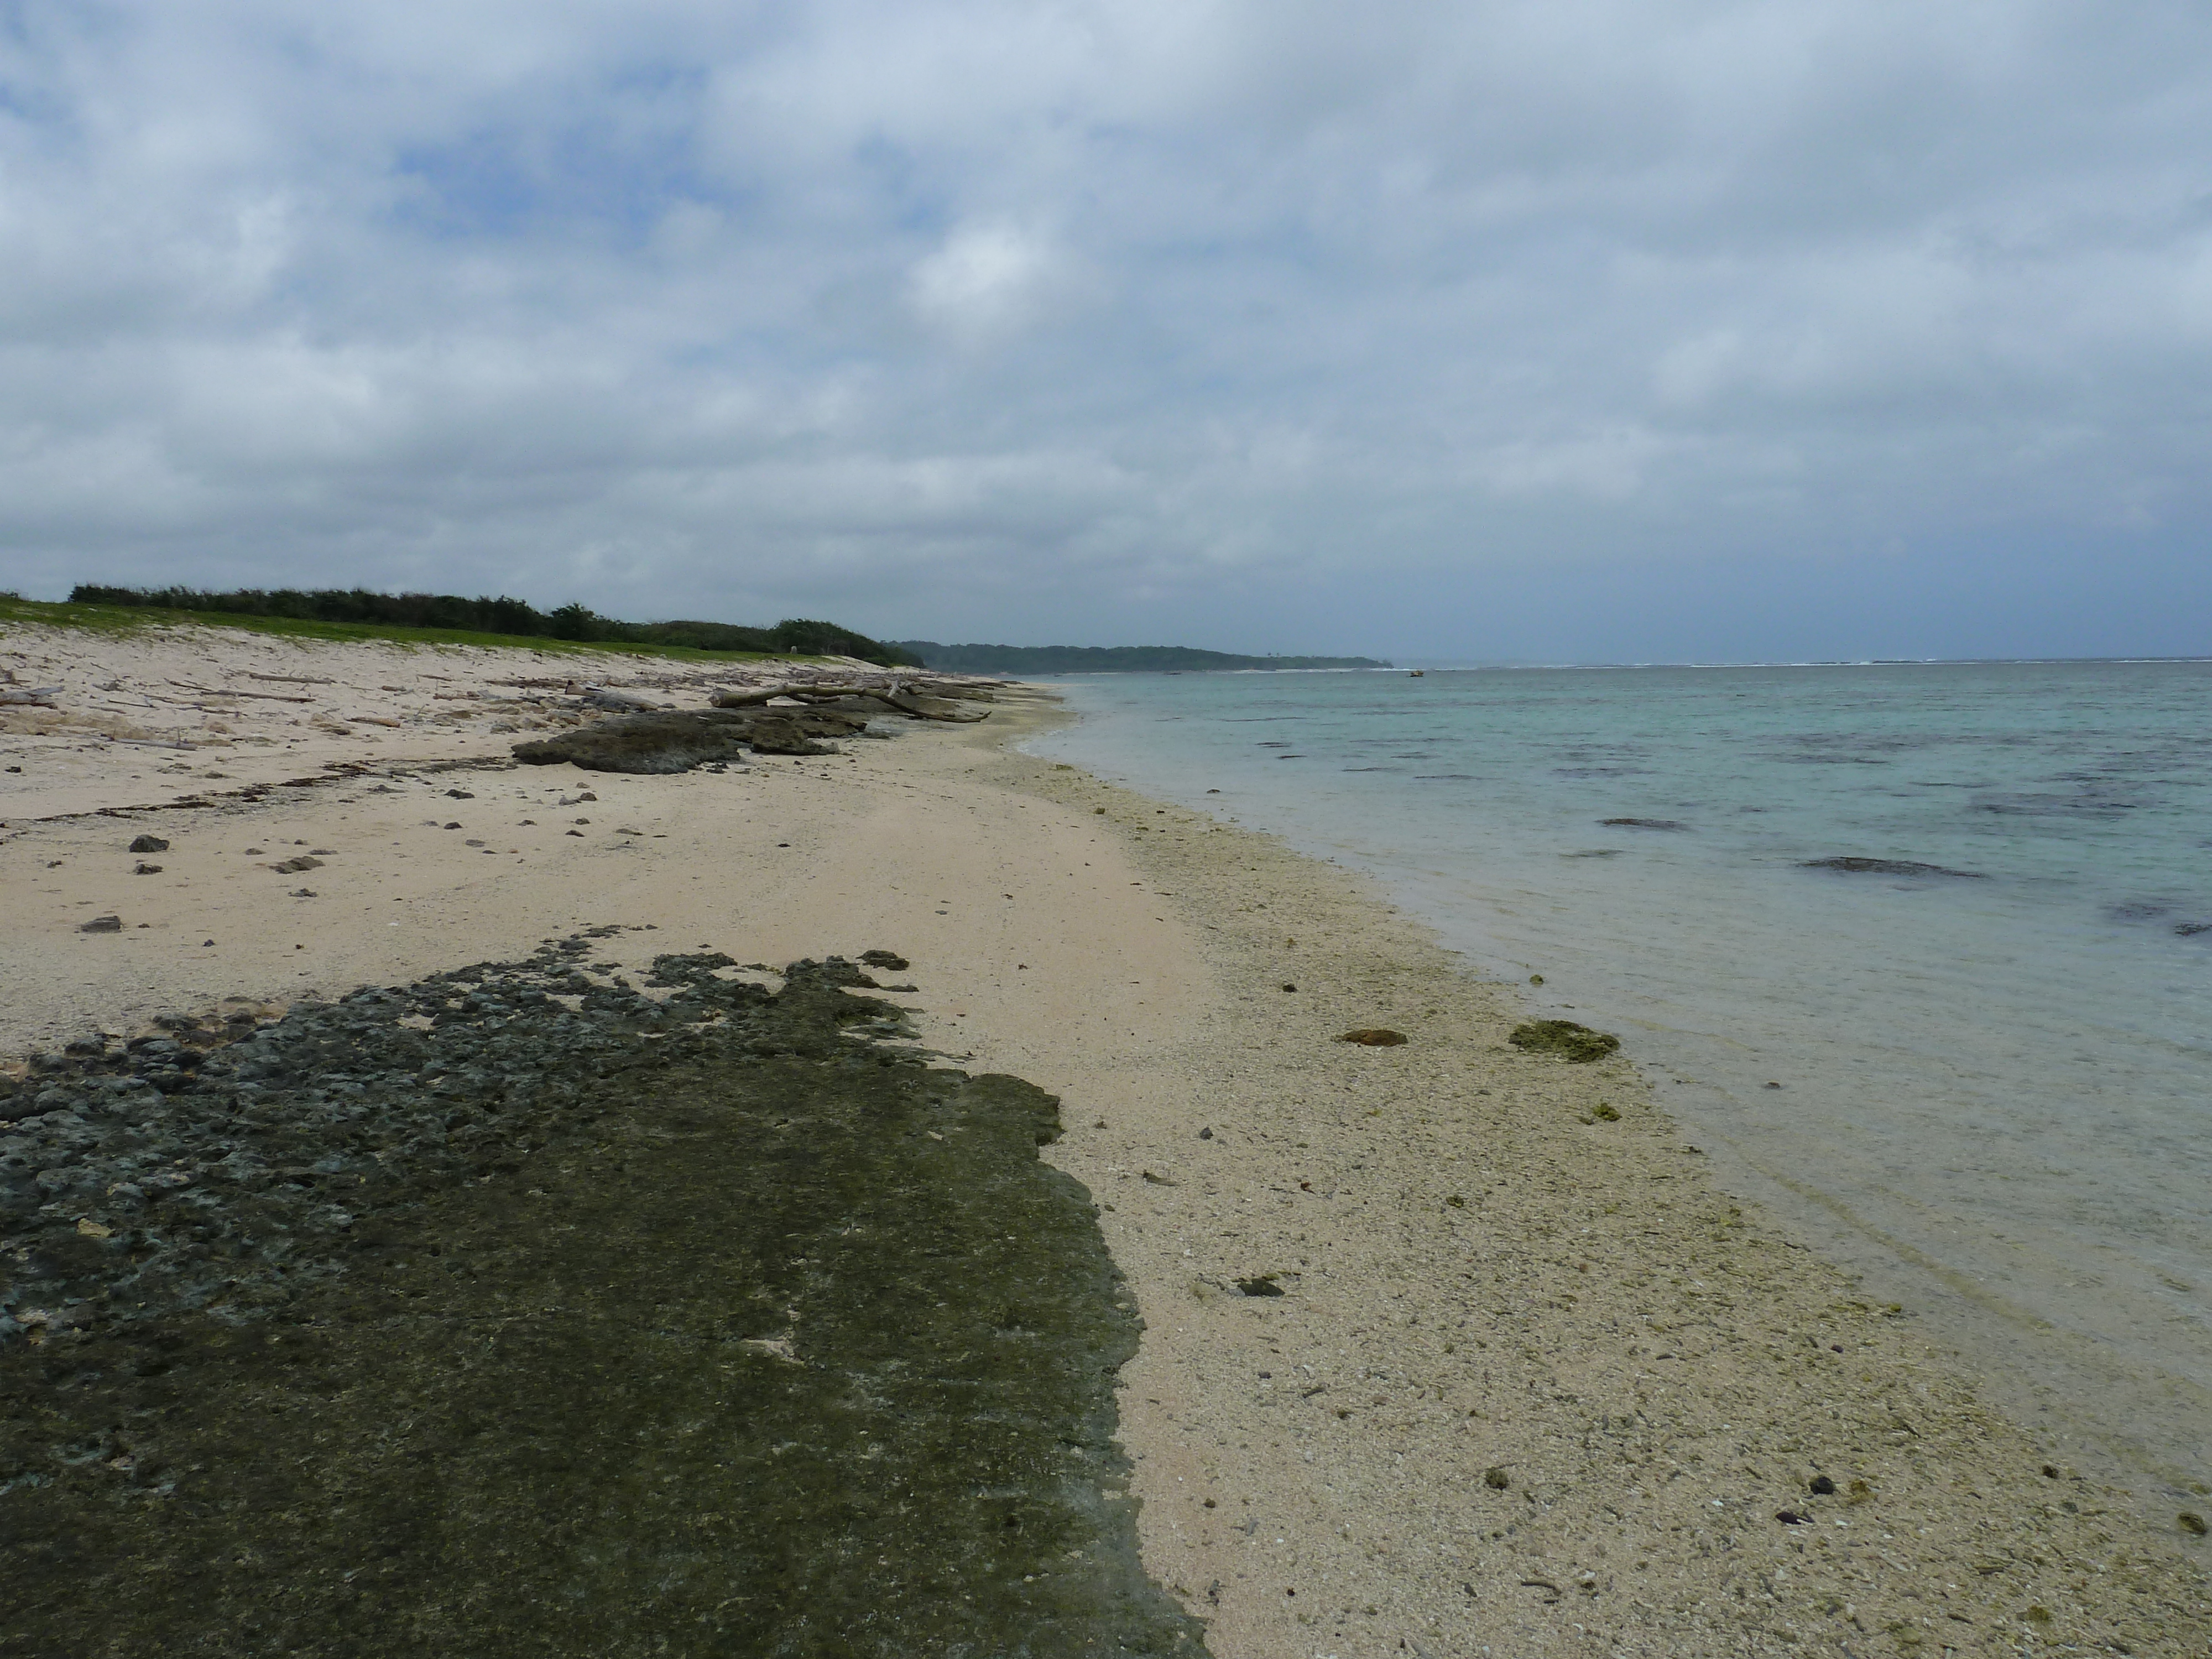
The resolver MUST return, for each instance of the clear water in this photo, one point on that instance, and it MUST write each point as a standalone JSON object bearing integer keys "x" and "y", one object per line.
{"x": 1997, "y": 1085}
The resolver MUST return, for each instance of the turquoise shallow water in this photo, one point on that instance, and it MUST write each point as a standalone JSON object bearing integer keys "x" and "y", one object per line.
{"x": 1996, "y": 1075}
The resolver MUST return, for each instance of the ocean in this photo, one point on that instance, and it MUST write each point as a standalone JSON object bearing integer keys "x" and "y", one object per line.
{"x": 1993, "y": 1045}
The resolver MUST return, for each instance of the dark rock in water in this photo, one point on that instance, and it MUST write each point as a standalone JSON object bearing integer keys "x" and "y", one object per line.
{"x": 890, "y": 961}
{"x": 149, "y": 844}
{"x": 1643, "y": 823}
{"x": 101, "y": 925}
{"x": 1887, "y": 868}
{"x": 647, "y": 1325}
{"x": 1373, "y": 1036}
{"x": 1564, "y": 1037}
{"x": 647, "y": 744}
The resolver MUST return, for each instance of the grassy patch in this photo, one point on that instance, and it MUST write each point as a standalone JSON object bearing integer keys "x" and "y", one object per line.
{"x": 121, "y": 619}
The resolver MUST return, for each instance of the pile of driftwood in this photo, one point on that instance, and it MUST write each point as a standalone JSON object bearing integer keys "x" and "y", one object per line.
{"x": 797, "y": 718}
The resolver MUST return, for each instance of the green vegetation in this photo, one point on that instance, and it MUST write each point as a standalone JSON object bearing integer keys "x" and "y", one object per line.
{"x": 1101, "y": 659}
{"x": 445, "y": 619}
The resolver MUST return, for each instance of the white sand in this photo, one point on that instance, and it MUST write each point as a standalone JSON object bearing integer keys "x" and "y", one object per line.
{"x": 1480, "y": 1274}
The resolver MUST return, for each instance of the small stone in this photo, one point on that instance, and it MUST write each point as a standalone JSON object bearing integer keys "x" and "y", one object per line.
{"x": 1099, "y": 812}
{"x": 149, "y": 844}
{"x": 1535, "y": 979}
{"x": 2192, "y": 1522}
{"x": 1373, "y": 1036}
{"x": 143, "y": 868}
{"x": 455, "y": 825}
{"x": 1205, "y": 1135}
{"x": 102, "y": 925}
{"x": 1790, "y": 1517}
{"x": 1287, "y": 986}
{"x": 459, "y": 794}
{"x": 1605, "y": 1113}
{"x": 1494, "y": 1478}
{"x": 1823, "y": 1488}
{"x": 1774, "y": 1085}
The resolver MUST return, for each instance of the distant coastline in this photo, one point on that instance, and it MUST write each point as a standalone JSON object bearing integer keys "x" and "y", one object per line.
{"x": 1103, "y": 659}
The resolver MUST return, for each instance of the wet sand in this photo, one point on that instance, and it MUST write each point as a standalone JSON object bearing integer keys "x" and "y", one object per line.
{"x": 1533, "y": 1384}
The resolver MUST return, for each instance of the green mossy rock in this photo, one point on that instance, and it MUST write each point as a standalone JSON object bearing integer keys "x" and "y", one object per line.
{"x": 1565, "y": 1038}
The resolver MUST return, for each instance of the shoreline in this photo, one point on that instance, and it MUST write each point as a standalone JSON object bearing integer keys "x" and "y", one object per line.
{"x": 1479, "y": 1273}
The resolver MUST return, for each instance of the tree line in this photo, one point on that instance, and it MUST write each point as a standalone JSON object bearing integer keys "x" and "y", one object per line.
{"x": 794, "y": 636}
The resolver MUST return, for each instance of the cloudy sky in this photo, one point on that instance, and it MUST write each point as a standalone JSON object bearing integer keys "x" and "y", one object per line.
{"x": 1591, "y": 329}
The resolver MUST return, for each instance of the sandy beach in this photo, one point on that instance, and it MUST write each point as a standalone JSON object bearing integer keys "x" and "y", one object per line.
{"x": 1451, "y": 1348}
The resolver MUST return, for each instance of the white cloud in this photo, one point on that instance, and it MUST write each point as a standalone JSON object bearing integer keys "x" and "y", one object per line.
{"x": 988, "y": 315}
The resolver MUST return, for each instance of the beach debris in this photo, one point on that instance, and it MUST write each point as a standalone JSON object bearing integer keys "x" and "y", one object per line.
{"x": 1642, "y": 823}
{"x": 148, "y": 844}
{"x": 143, "y": 868}
{"x": 1495, "y": 1478}
{"x": 599, "y": 697}
{"x": 1791, "y": 1518}
{"x": 1371, "y": 1036}
{"x": 1859, "y": 866}
{"x": 1576, "y": 1044}
{"x": 1262, "y": 1285}
{"x": 101, "y": 925}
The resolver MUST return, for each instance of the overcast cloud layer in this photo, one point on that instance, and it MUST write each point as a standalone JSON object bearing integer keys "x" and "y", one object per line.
{"x": 1597, "y": 329}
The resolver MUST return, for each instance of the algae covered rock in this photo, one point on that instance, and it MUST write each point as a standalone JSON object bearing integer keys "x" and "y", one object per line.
{"x": 521, "y": 1314}
{"x": 1565, "y": 1038}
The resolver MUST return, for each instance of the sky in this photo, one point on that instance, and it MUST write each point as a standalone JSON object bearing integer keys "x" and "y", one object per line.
{"x": 1596, "y": 330}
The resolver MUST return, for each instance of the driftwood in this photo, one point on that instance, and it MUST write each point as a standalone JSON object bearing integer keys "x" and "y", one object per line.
{"x": 225, "y": 692}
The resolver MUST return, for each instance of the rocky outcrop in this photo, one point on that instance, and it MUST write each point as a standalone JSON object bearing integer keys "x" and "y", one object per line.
{"x": 677, "y": 741}
{"x": 793, "y": 718}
